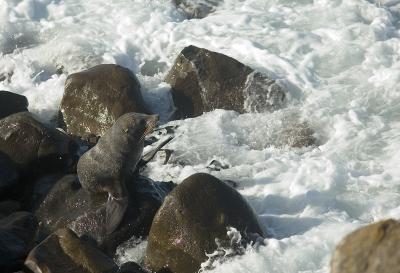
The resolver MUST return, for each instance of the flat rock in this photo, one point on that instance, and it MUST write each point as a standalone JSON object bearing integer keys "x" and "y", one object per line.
{"x": 11, "y": 103}
{"x": 203, "y": 80}
{"x": 95, "y": 98}
{"x": 17, "y": 233}
{"x": 371, "y": 249}
{"x": 63, "y": 251}
{"x": 193, "y": 216}
{"x": 34, "y": 146}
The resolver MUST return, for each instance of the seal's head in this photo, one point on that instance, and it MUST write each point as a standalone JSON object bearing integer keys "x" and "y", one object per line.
{"x": 136, "y": 126}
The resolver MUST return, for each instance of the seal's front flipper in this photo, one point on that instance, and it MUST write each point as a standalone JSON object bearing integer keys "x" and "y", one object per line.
{"x": 115, "y": 211}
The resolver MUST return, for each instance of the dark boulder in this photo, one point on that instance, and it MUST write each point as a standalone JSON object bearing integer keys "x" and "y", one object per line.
{"x": 145, "y": 198}
{"x": 194, "y": 215}
{"x": 17, "y": 234}
{"x": 203, "y": 80}
{"x": 33, "y": 146}
{"x": 64, "y": 202}
{"x": 63, "y": 251}
{"x": 197, "y": 8}
{"x": 11, "y": 103}
{"x": 95, "y": 98}
{"x": 131, "y": 267}
{"x": 40, "y": 189}
{"x": 371, "y": 249}
{"x": 8, "y": 207}
{"x": 8, "y": 174}
{"x": 67, "y": 201}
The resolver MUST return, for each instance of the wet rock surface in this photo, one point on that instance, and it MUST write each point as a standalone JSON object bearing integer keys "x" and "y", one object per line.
{"x": 8, "y": 207}
{"x": 63, "y": 251}
{"x": 371, "y": 249}
{"x": 11, "y": 103}
{"x": 193, "y": 215}
{"x": 197, "y": 8}
{"x": 203, "y": 80}
{"x": 33, "y": 146}
{"x": 95, "y": 98}
{"x": 17, "y": 234}
{"x": 131, "y": 267}
{"x": 297, "y": 135}
{"x": 8, "y": 174}
{"x": 67, "y": 201}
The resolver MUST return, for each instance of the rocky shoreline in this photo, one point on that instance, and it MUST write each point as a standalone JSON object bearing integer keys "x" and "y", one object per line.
{"x": 43, "y": 198}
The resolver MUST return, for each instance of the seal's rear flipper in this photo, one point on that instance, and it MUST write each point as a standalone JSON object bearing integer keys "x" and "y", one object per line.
{"x": 115, "y": 211}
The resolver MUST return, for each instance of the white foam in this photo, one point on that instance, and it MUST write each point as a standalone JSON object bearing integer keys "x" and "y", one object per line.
{"x": 340, "y": 61}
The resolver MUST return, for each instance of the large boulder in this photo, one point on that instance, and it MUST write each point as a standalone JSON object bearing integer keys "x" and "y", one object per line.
{"x": 371, "y": 249}
{"x": 203, "y": 80}
{"x": 11, "y": 103}
{"x": 63, "y": 251}
{"x": 17, "y": 234}
{"x": 95, "y": 98}
{"x": 197, "y": 8}
{"x": 8, "y": 207}
{"x": 194, "y": 215}
{"x": 8, "y": 174}
{"x": 34, "y": 146}
{"x": 67, "y": 201}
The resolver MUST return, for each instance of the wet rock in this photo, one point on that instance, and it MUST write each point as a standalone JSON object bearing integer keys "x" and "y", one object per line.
{"x": 297, "y": 135}
{"x": 371, "y": 249}
{"x": 197, "y": 8}
{"x": 63, "y": 251}
{"x": 33, "y": 146}
{"x": 6, "y": 76}
{"x": 8, "y": 207}
{"x": 11, "y": 103}
{"x": 131, "y": 267}
{"x": 149, "y": 156}
{"x": 16, "y": 42}
{"x": 67, "y": 201}
{"x": 202, "y": 80}
{"x": 216, "y": 165}
{"x": 95, "y": 98}
{"x": 8, "y": 174}
{"x": 40, "y": 189}
{"x": 145, "y": 198}
{"x": 193, "y": 216}
{"x": 152, "y": 67}
{"x": 163, "y": 156}
{"x": 17, "y": 233}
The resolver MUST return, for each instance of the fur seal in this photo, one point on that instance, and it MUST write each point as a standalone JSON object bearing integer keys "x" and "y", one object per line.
{"x": 106, "y": 167}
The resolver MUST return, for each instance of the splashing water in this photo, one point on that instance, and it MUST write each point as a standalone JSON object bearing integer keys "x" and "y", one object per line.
{"x": 338, "y": 59}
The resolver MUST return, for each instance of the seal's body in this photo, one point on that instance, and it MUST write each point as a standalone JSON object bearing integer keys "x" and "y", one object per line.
{"x": 107, "y": 166}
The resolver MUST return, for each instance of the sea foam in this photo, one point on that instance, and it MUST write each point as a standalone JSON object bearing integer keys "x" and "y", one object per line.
{"x": 338, "y": 59}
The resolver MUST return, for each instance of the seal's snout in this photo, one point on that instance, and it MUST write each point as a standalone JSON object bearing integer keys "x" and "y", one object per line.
{"x": 151, "y": 123}
{"x": 155, "y": 118}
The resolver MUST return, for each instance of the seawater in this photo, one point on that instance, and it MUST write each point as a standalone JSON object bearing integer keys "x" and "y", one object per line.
{"x": 338, "y": 59}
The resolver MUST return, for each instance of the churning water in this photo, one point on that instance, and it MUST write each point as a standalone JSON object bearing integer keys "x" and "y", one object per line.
{"x": 339, "y": 60}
